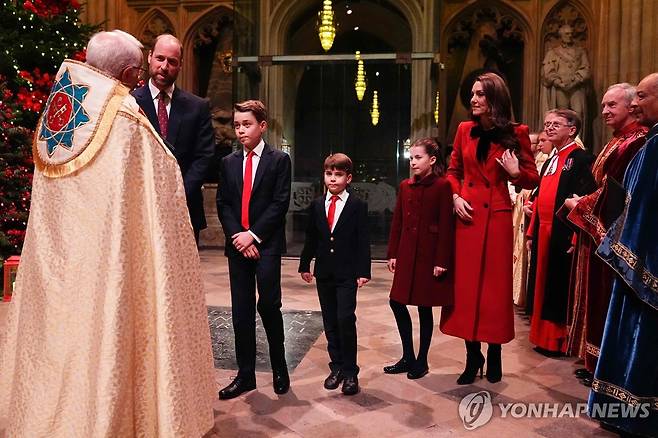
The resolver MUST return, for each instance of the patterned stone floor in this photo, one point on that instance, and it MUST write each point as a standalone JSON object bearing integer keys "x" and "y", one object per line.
{"x": 388, "y": 406}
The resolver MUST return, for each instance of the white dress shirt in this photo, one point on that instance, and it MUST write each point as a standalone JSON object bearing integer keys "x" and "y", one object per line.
{"x": 155, "y": 92}
{"x": 340, "y": 204}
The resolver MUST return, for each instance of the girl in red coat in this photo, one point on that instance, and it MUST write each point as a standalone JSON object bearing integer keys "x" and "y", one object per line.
{"x": 488, "y": 152}
{"x": 420, "y": 251}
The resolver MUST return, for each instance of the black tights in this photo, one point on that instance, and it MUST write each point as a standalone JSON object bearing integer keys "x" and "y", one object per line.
{"x": 403, "y": 321}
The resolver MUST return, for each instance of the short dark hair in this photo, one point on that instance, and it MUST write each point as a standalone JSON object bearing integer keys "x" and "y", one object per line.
{"x": 256, "y": 107}
{"x": 339, "y": 161}
{"x": 433, "y": 150}
{"x": 572, "y": 118}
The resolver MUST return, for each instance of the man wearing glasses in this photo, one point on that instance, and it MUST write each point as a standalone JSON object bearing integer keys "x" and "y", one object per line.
{"x": 182, "y": 120}
{"x": 565, "y": 173}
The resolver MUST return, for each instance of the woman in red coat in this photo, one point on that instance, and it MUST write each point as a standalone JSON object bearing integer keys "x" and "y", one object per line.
{"x": 488, "y": 152}
{"x": 420, "y": 252}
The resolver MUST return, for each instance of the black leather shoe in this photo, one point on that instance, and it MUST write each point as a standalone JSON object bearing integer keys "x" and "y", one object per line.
{"x": 333, "y": 380}
{"x": 280, "y": 381}
{"x": 238, "y": 386}
{"x": 587, "y": 381}
{"x": 418, "y": 371}
{"x": 350, "y": 385}
{"x": 581, "y": 373}
{"x": 401, "y": 366}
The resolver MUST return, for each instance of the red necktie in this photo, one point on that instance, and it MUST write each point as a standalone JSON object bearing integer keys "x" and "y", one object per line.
{"x": 163, "y": 118}
{"x": 332, "y": 211}
{"x": 246, "y": 190}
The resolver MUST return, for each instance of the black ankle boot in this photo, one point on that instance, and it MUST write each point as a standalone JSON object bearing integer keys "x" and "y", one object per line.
{"x": 494, "y": 363}
{"x": 474, "y": 362}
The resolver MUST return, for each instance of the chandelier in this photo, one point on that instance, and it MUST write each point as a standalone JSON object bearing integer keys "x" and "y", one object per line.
{"x": 374, "y": 113}
{"x": 436, "y": 109}
{"x": 326, "y": 25}
{"x": 360, "y": 81}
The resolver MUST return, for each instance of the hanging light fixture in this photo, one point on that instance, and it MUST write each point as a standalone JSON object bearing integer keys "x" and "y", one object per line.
{"x": 374, "y": 113}
{"x": 326, "y": 25}
{"x": 436, "y": 109}
{"x": 360, "y": 81}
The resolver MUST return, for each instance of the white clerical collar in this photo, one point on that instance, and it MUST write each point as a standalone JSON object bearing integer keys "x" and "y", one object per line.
{"x": 258, "y": 150}
{"x": 565, "y": 146}
{"x": 155, "y": 91}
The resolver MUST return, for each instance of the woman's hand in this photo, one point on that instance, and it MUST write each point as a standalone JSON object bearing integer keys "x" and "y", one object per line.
{"x": 463, "y": 209}
{"x": 438, "y": 271}
{"x": 391, "y": 265}
{"x": 510, "y": 163}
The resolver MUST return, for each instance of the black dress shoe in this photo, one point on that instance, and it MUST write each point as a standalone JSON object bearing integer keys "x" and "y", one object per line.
{"x": 581, "y": 373}
{"x": 333, "y": 380}
{"x": 418, "y": 371}
{"x": 401, "y": 366}
{"x": 587, "y": 381}
{"x": 350, "y": 385}
{"x": 280, "y": 381}
{"x": 238, "y": 386}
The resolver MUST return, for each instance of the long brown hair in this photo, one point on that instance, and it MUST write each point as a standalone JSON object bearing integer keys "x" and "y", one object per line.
{"x": 432, "y": 149}
{"x": 500, "y": 105}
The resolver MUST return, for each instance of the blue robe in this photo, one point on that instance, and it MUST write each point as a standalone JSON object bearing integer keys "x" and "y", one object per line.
{"x": 627, "y": 370}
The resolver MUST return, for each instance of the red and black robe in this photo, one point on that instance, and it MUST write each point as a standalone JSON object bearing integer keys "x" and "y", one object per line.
{"x": 564, "y": 174}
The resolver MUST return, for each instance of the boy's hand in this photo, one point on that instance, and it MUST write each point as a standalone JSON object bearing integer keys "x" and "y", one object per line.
{"x": 438, "y": 270}
{"x": 361, "y": 281}
{"x": 307, "y": 277}
{"x": 391, "y": 265}
{"x": 242, "y": 240}
{"x": 251, "y": 252}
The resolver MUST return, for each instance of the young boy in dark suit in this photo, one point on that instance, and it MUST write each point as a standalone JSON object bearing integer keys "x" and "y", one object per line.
{"x": 252, "y": 201}
{"x": 337, "y": 236}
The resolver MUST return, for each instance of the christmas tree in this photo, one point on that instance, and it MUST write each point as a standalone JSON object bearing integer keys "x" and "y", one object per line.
{"x": 35, "y": 37}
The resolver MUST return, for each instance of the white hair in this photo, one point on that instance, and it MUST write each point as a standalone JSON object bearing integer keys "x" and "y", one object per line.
{"x": 113, "y": 51}
{"x": 628, "y": 89}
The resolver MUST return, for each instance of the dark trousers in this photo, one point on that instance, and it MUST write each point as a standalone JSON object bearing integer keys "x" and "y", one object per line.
{"x": 245, "y": 274}
{"x": 338, "y": 304}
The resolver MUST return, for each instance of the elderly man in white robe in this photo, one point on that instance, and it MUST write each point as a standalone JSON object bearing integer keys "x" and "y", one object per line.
{"x": 107, "y": 334}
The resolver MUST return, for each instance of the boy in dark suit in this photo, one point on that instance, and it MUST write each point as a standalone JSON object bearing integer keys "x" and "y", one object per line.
{"x": 337, "y": 236}
{"x": 252, "y": 201}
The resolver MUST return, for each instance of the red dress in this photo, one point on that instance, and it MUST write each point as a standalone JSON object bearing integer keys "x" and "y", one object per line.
{"x": 484, "y": 307}
{"x": 547, "y": 334}
{"x": 423, "y": 236}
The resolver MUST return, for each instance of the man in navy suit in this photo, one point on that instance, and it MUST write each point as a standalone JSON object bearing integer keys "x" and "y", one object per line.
{"x": 252, "y": 202}
{"x": 182, "y": 120}
{"x": 337, "y": 237}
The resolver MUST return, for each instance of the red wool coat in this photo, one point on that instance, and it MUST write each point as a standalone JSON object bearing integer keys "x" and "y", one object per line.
{"x": 483, "y": 308}
{"x": 422, "y": 236}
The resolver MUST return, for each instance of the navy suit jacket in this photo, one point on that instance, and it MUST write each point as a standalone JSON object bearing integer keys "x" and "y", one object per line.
{"x": 268, "y": 205}
{"x": 343, "y": 253}
{"x": 191, "y": 139}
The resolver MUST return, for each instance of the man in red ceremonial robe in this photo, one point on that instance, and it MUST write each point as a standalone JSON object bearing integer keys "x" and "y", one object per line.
{"x": 592, "y": 279}
{"x": 566, "y": 172}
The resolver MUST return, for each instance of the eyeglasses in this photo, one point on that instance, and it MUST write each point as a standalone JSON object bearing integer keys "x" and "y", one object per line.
{"x": 556, "y": 125}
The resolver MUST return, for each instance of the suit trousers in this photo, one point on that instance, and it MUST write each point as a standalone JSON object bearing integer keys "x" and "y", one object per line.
{"x": 338, "y": 304}
{"x": 245, "y": 275}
